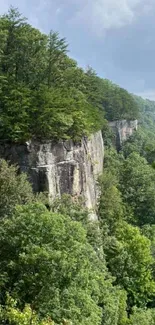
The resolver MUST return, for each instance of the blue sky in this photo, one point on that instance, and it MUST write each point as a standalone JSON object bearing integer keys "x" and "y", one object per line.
{"x": 115, "y": 37}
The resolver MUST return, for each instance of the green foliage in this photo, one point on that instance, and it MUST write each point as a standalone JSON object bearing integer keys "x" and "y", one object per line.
{"x": 10, "y": 313}
{"x": 44, "y": 94}
{"x": 142, "y": 317}
{"x": 46, "y": 261}
{"x": 108, "y": 135}
{"x": 131, "y": 262}
{"x": 14, "y": 189}
{"x": 111, "y": 207}
{"x": 77, "y": 212}
{"x": 127, "y": 252}
{"x": 142, "y": 142}
{"x": 137, "y": 184}
{"x": 135, "y": 179}
{"x": 37, "y": 98}
{"x": 116, "y": 102}
{"x": 60, "y": 113}
{"x": 113, "y": 162}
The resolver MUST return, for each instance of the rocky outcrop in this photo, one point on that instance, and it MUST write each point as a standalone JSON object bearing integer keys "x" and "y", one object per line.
{"x": 60, "y": 168}
{"x": 122, "y": 131}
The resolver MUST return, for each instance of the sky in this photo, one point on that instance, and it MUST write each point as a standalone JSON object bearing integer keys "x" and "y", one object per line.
{"x": 115, "y": 37}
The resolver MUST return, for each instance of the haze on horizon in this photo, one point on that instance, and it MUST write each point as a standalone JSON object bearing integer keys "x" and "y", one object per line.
{"x": 116, "y": 38}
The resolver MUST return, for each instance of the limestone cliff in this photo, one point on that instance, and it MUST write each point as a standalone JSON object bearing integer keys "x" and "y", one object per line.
{"x": 122, "y": 130}
{"x": 60, "y": 168}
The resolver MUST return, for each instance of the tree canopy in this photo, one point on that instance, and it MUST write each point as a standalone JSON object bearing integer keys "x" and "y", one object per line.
{"x": 43, "y": 92}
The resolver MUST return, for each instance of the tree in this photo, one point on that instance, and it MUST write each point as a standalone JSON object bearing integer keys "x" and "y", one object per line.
{"x": 78, "y": 212}
{"x": 14, "y": 189}
{"x": 128, "y": 256}
{"x": 137, "y": 185}
{"x": 142, "y": 317}
{"x": 23, "y": 51}
{"x": 127, "y": 252}
{"x": 40, "y": 83}
{"x": 56, "y": 55}
{"x": 46, "y": 261}
{"x": 111, "y": 208}
{"x": 10, "y": 313}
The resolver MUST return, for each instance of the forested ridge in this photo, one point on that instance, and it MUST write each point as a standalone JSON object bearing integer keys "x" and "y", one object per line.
{"x": 56, "y": 266}
{"x": 43, "y": 92}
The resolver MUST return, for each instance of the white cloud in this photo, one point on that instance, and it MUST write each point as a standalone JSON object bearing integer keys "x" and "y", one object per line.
{"x": 102, "y": 15}
{"x": 97, "y": 15}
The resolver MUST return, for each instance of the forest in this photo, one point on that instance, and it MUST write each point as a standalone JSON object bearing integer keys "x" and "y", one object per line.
{"x": 56, "y": 266}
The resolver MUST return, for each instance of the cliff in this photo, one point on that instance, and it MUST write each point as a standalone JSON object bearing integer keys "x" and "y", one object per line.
{"x": 67, "y": 167}
{"x": 122, "y": 131}
{"x": 60, "y": 168}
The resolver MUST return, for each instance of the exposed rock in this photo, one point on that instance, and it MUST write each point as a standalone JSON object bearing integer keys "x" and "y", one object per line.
{"x": 60, "y": 168}
{"x": 123, "y": 130}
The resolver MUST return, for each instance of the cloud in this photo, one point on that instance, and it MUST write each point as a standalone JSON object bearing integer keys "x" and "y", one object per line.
{"x": 96, "y": 15}
{"x": 103, "y": 15}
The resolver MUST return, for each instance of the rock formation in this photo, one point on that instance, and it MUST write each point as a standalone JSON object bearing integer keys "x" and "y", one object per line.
{"x": 64, "y": 167}
{"x": 122, "y": 130}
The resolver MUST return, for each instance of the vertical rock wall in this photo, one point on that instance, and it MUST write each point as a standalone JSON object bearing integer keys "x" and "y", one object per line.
{"x": 60, "y": 168}
{"x": 122, "y": 131}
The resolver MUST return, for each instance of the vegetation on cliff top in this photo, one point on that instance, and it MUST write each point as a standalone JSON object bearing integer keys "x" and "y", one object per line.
{"x": 43, "y": 92}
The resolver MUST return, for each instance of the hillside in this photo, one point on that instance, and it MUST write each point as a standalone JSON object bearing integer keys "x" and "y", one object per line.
{"x": 58, "y": 266}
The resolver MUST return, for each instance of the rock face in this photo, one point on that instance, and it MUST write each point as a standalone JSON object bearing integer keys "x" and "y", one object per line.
{"x": 122, "y": 131}
{"x": 60, "y": 168}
